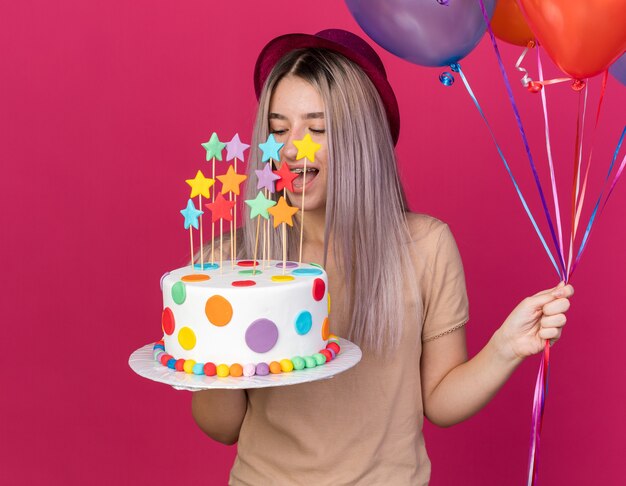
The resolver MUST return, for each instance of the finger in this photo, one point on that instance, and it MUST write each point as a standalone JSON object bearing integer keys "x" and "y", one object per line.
{"x": 565, "y": 291}
{"x": 558, "y": 306}
{"x": 550, "y": 333}
{"x": 557, "y": 320}
{"x": 550, "y": 290}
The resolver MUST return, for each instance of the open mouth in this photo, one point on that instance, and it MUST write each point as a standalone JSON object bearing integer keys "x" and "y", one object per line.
{"x": 298, "y": 182}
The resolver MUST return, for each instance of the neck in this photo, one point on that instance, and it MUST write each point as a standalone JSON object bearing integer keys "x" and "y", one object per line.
{"x": 314, "y": 224}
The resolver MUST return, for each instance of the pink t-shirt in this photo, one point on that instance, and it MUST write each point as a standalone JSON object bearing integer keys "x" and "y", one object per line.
{"x": 363, "y": 426}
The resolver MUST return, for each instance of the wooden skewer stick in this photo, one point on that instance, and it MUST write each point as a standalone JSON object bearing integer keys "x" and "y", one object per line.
{"x": 284, "y": 247}
{"x": 213, "y": 222}
{"x": 302, "y": 209}
{"x": 256, "y": 244}
{"x": 201, "y": 242}
{"x": 221, "y": 266}
{"x": 191, "y": 244}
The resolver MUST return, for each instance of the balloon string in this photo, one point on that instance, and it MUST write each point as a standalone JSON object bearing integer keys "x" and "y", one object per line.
{"x": 555, "y": 195}
{"x": 508, "y": 169}
{"x": 524, "y": 139}
{"x": 526, "y": 80}
{"x": 582, "y": 198}
{"x": 595, "y": 213}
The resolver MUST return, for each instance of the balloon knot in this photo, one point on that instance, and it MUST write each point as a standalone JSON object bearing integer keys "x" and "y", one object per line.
{"x": 534, "y": 87}
{"x": 578, "y": 84}
{"x": 456, "y": 67}
{"x": 446, "y": 78}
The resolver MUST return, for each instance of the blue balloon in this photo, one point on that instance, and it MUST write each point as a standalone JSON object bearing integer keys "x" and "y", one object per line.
{"x": 424, "y": 32}
{"x": 618, "y": 69}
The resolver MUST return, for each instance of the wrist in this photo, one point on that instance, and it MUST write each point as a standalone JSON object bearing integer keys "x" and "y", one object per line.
{"x": 504, "y": 350}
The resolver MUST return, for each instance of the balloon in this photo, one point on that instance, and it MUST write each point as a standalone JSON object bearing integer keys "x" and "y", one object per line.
{"x": 508, "y": 23}
{"x": 618, "y": 69}
{"x": 583, "y": 37}
{"x": 424, "y": 32}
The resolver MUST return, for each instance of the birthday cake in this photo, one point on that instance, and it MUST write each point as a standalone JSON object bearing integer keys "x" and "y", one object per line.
{"x": 245, "y": 320}
{"x": 245, "y": 317}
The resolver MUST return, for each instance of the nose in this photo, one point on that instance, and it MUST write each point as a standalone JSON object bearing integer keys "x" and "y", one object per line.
{"x": 289, "y": 151}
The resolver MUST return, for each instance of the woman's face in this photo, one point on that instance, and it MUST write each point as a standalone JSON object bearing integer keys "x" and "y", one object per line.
{"x": 296, "y": 109}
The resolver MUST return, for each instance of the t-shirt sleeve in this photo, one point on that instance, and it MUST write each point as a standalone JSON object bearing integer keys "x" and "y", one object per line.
{"x": 446, "y": 305}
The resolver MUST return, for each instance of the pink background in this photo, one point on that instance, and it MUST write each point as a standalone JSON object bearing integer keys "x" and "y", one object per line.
{"x": 103, "y": 106}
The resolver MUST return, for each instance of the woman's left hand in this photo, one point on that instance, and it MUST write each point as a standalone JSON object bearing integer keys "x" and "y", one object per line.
{"x": 535, "y": 320}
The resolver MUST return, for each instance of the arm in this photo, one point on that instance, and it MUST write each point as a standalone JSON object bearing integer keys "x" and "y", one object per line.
{"x": 454, "y": 388}
{"x": 220, "y": 413}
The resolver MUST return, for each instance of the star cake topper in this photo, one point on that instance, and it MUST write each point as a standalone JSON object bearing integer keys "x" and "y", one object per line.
{"x": 200, "y": 185}
{"x": 231, "y": 181}
{"x": 266, "y": 178}
{"x": 191, "y": 215}
{"x": 214, "y": 148}
{"x": 270, "y": 149}
{"x": 282, "y": 212}
{"x": 286, "y": 178}
{"x": 222, "y": 208}
{"x": 235, "y": 148}
{"x": 306, "y": 148}
{"x": 259, "y": 206}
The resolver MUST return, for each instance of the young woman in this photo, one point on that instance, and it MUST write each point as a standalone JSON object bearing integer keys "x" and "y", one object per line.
{"x": 397, "y": 287}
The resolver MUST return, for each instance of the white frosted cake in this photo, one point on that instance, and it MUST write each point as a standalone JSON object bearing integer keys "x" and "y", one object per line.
{"x": 244, "y": 319}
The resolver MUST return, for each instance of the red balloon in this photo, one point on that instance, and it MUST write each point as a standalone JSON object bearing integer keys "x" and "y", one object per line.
{"x": 508, "y": 23}
{"x": 583, "y": 37}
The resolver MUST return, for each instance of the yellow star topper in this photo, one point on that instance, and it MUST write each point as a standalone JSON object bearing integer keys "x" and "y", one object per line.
{"x": 306, "y": 148}
{"x": 282, "y": 212}
{"x": 231, "y": 181}
{"x": 200, "y": 185}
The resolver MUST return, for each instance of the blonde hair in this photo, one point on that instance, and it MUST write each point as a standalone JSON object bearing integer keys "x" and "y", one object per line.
{"x": 365, "y": 208}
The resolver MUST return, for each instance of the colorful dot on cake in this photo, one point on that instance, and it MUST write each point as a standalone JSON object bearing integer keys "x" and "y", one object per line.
{"x": 287, "y": 265}
{"x": 222, "y": 370}
{"x": 188, "y": 366}
{"x": 325, "y": 329}
{"x": 236, "y": 370}
{"x": 165, "y": 359}
{"x": 167, "y": 321}
{"x": 262, "y": 369}
{"x": 319, "y": 358}
{"x": 247, "y": 263}
{"x": 286, "y": 365}
{"x": 317, "y": 265}
{"x": 195, "y": 277}
{"x": 243, "y": 283}
{"x": 171, "y": 363}
{"x": 250, "y": 271}
{"x": 307, "y": 271}
{"x": 249, "y": 370}
{"x": 282, "y": 278}
{"x": 275, "y": 367}
{"x": 298, "y": 363}
{"x": 179, "y": 293}
{"x": 309, "y": 362}
{"x": 319, "y": 289}
{"x": 261, "y": 335}
{"x": 179, "y": 364}
{"x": 198, "y": 369}
{"x": 186, "y": 338}
{"x": 218, "y": 310}
{"x": 210, "y": 369}
{"x": 304, "y": 321}
{"x": 206, "y": 266}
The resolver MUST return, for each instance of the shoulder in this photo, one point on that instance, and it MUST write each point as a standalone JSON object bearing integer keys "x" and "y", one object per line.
{"x": 426, "y": 231}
